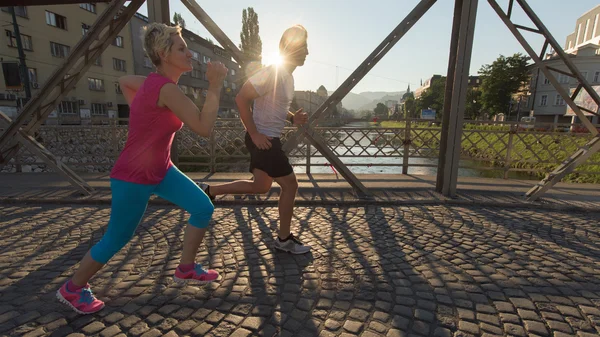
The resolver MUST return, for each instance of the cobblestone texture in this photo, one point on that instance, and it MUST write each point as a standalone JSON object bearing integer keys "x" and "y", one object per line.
{"x": 374, "y": 271}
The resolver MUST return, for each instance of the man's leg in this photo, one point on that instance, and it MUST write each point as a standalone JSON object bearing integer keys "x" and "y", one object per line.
{"x": 260, "y": 184}
{"x": 289, "y": 188}
{"x": 286, "y": 241}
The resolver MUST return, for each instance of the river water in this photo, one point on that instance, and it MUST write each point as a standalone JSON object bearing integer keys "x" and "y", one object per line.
{"x": 475, "y": 168}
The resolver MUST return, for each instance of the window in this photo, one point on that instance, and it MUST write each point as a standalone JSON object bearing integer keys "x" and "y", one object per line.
{"x": 19, "y": 10}
{"x": 195, "y": 55}
{"x": 546, "y": 80}
{"x": 233, "y": 87}
{"x": 118, "y": 88}
{"x": 56, "y": 20}
{"x": 562, "y": 78}
{"x": 118, "y": 41}
{"x": 119, "y": 65}
{"x": 147, "y": 62}
{"x": 225, "y": 84}
{"x": 196, "y": 73}
{"x": 544, "y": 100}
{"x": 32, "y": 75}
{"x": 597, "y": 77}
{"x": 99, "y": 109}
{"x": 88, "y": 7}
{"x": 25, "y": 40}
{"x": 183, "y": 88}
{"x": 559, "y": 100}
{"x": 85, "y": 28}
{"x": 95, "y": 84}
{"x": 232, "y": 72}
{"x": 59, "y": 50}
{"x": 98, "y": 61}
{"x": 67, "y": 108}
{"x": 204, "y": 77}
{"x": 206, "y": 59}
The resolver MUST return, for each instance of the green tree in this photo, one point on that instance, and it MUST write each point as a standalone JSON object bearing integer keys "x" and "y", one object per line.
{"x": 474, "y": 105}
{"x": 381, "y": 110}
{"x": 500, "y": 80}
{"x": 432, "y": 97}
{"x": 251, "y": 44}
{"x": 178, "y": 19}
{"x": 409, "y": 106}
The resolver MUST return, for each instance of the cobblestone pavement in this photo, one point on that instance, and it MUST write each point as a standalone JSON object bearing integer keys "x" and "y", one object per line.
{"x": 374, "y": 271}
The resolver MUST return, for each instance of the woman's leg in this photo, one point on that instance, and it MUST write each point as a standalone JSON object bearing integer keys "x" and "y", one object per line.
{"x": 127, "y": 209}
{"x": 182, "y": 191}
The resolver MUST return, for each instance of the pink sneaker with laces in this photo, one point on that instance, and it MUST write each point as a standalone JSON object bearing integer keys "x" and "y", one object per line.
{"x": 198, "y": 275}
{"x": 82, "y": 301}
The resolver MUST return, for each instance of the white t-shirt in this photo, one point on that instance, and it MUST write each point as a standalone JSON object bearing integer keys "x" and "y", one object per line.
{"x": 276, "y": 89}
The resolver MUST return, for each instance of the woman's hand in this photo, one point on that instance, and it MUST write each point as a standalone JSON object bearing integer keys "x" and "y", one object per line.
{"x": 216, "y": 73}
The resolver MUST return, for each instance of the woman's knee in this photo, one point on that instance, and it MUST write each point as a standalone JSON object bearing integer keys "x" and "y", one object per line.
{"x": 201, "y": 214}
{"x": 108, "y": 247}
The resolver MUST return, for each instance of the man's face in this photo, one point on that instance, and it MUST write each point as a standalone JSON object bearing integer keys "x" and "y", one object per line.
{"x": 298, "y": 56}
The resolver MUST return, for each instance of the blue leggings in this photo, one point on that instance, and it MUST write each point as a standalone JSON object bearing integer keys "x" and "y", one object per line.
{"x": 129, "y": 201}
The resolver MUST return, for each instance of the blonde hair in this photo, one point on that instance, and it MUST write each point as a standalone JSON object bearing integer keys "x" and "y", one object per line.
{"x": 157, "y": 39}
{"x": 292, "y": 39}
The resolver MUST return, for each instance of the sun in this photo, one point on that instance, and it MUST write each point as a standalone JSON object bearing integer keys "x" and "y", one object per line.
{"x": 273, "y": 59}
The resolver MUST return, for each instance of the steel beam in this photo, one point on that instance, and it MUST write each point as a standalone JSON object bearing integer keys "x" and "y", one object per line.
{"x": 458, "y": 75}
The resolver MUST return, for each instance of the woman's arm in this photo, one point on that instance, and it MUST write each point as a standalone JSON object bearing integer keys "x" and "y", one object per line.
{"x": 130, "y": 84}
{"x": 203, "y": 122}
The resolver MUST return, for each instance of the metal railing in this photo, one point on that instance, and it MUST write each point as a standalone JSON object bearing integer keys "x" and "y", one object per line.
{"x": 392, "y": 146}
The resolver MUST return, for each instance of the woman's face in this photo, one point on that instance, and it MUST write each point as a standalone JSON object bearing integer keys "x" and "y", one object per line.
{"x": 180, "y": 56}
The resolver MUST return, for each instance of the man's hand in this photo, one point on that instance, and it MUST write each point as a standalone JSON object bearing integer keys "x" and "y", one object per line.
{"x": 300, "y": 117}
{"x": 261, "y": 141}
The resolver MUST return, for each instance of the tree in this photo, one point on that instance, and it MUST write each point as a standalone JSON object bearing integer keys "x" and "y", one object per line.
{"x": 178, "y": 19}
{"x": 502, "y": 79}
{"x": 381, "y": 110}
{"x": 474, "y": 105}
{"x": 251, "y": 44}
{"x": 432, "y": 97}
{"x": 409, "y": 106}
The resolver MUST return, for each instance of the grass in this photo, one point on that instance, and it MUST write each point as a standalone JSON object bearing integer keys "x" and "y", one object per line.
{"x": 535, "y": 151}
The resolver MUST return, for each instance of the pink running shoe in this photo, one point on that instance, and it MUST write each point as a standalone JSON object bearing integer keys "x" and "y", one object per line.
{"x": 82, "y": 301}
{"x": 198, "y": 275}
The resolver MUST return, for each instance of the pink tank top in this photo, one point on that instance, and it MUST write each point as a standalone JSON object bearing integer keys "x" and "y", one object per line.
{"x": 147, "y": 153}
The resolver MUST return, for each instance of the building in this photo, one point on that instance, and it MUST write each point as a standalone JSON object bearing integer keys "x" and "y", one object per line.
{"x": 49, "y": 32}
{"x": 473, "y": 82}
{"x": 310, "y": 101}
{"x": 194, "y": 84}
{"x": 583, "y": 47}
{"x": 425, "y": 85}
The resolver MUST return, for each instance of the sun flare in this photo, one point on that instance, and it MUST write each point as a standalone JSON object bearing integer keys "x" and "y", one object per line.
{"x": 273, "y": 59}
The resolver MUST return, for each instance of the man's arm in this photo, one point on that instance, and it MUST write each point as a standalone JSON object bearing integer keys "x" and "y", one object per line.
{"x": 244, "y": 100}
{"x": 298, "y": 118}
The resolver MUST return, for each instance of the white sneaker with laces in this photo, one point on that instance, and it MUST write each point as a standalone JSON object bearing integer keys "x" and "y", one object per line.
{"x": 291, "y": 245}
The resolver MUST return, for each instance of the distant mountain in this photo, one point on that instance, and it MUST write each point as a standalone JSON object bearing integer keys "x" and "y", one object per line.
{"x": 356, "y": 102}
{"x": 391, "y": 96}
{"x": 375, "y": 95}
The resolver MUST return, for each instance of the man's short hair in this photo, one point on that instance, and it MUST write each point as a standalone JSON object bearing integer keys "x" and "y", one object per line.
{"x": 292, "y": 39}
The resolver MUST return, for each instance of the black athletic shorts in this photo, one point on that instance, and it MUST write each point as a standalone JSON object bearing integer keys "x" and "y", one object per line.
{"x": 273, "y": 161}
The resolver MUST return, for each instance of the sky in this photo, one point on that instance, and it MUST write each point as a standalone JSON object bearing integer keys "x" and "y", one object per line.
{"x": 342, "y": 33}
